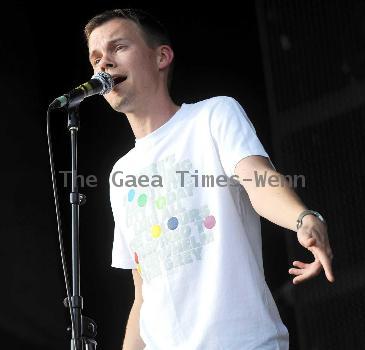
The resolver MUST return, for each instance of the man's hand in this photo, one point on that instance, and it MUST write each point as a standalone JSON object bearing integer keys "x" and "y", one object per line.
{"x": 313, "y": 236}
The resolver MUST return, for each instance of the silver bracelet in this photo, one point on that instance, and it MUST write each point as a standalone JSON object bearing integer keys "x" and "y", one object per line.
{"x": 308, "y": 212}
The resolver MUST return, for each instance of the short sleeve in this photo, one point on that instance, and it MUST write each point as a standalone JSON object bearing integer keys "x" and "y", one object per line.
{"x": 234, "y": 134}
{"x": 121, "y": 255}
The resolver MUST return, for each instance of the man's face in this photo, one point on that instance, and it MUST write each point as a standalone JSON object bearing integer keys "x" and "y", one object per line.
{"x": 118, "y": 48}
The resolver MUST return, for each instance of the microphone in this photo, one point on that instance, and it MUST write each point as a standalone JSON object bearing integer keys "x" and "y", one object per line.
{"x": 100, "y": 83}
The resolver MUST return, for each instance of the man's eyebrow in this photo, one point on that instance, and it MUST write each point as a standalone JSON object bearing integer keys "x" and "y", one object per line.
{"x": 110, "y": 43}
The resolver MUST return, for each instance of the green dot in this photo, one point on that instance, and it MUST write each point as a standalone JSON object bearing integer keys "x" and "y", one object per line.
{"x": 142, "y": 199}
{"x": 160, "y": 202}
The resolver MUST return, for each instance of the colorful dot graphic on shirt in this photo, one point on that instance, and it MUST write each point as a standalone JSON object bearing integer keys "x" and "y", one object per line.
{"x": 156, "y": 231}
{"x": 160, "y": 202}
{"x": 136, "y": 258}
{"x": 131, "y": 195}
{"x": 142, "y": 200}
{"x": 173, "y": 223}
{"x": 209, "y": 221}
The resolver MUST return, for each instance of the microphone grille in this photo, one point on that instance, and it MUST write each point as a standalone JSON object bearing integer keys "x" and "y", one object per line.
{"x": 106, "y": 80}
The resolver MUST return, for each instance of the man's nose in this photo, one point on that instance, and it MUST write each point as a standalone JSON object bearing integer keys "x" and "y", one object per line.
{"x": 106, "y": 63}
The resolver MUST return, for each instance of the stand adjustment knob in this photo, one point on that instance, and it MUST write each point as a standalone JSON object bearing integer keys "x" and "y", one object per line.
{"x": 77, "y": 198}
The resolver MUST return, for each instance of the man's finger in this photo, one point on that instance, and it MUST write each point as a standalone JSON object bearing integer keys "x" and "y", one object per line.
{"x": 296, "y": 272}
{"x": 299, "y": 264}
{"x": 326, "y": 263}
{"x": 300, "y": 278}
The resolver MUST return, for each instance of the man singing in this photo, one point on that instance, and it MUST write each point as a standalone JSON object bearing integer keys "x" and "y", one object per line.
{"x": 194, "y": 251}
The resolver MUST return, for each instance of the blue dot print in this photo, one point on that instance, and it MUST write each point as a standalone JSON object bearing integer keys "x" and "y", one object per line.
{"x": 173, "y": 223}
{"x": 131, "y": 194}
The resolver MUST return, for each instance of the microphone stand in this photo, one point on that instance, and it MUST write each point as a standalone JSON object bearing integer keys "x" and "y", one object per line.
{"x": 84, "y": 328}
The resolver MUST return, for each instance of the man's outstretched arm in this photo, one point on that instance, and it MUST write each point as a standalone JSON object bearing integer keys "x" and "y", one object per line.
{"x": 278, "y": 203}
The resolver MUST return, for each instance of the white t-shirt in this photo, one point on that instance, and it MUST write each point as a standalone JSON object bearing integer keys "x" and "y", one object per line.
{"x": 194, "y": 237}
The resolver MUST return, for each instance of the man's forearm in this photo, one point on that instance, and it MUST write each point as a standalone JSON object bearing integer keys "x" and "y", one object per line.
{"x": 132, "y": 338}
{"x": 276, "y": 201}
{"x": 278, "y": 204}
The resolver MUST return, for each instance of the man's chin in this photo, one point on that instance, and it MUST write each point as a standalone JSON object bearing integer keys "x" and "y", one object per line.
{"x": 119, "y": 105}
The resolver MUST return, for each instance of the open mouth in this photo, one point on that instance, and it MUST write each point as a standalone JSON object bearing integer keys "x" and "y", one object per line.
{"x": 119, "y": 79}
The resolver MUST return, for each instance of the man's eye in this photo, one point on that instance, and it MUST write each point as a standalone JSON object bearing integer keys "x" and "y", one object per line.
{"x": 96, "y": 61}
{"x": 120, "y": 47}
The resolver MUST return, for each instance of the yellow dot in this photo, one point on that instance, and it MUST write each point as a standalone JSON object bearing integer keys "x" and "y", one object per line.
{"x": 156, "y": 231}
{"x": 139, "y": 268}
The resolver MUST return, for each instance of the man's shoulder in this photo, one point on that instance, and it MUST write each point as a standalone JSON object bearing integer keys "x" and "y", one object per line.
{"x": 215, "y": 101}
{"x": 209, "y": 108}
{"x": 122, "y": 161}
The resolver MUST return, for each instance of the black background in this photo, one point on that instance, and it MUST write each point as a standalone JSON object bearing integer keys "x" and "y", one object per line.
{"x": 43, "y": 56}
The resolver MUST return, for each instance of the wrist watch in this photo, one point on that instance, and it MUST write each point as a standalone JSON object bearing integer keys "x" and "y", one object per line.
{"x": 308, "y": 212}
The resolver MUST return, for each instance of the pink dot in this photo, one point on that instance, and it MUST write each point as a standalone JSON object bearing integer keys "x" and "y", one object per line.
{"x": 209, "y": 221}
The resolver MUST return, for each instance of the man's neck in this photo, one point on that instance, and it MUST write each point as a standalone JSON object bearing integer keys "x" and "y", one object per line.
{"x": 151, "y": 116}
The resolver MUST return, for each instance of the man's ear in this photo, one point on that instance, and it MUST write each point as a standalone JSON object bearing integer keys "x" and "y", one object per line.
{"x": 165, "y": 56}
